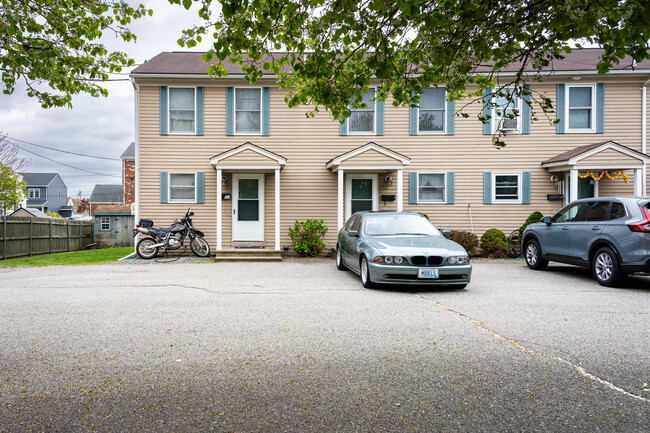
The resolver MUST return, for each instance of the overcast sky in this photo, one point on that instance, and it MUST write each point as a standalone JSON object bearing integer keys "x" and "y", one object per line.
{"x": 94, "y": 126}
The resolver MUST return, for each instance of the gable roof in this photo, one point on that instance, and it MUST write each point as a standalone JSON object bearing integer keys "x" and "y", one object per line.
{"x": 274, "y": 160}
{"x": 30, "y": 210}
{"x": 106, "y": 194}
{"x": 580, "y": 152}
{"x": 112, "y": 209}
{"x": 372, "y": 147}
{"x": 38, "y": 179}
{"x": 191, "y": 63}
{"x": 129, "y": 153}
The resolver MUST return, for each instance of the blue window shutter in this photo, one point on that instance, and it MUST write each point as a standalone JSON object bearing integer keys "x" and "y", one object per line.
{"x": 525, "y": 112}
{"x": 560, "y": 108}
{"x": 380, "y": 117}
{"x": 413, "y": 188}
{"x": 487, "y": 187}
{"x": 200, "y": 98}
{"x": 413, "y": 120}
{"x": 164, "y": 187}
{"x": 600, "y": 108}
{"x": 200, "y": 187}
{"x": 451, "y": 179}
{"x": 230, "y": 111}
{"x": 343, "y": 127}
{"x": 266, "y": 111}
{"x": 525, "y": 187}
{"x": 487, "y": 111}
{"x": 451, "y": 117}
{"x": 164, "y": 129}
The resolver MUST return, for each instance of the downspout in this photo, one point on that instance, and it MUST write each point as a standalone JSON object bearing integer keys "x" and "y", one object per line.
{"x": 644, "y": 133}
{"x": 136, "y": 107}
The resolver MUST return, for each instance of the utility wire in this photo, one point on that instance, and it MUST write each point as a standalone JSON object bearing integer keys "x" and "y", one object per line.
{"x": 67, "y": 165}
{"x": 63, "y": 151}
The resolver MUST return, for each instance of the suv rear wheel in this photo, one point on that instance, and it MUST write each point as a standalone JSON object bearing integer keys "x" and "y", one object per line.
{"x": 533, "y": 255}
{"x": 606, "y": 267}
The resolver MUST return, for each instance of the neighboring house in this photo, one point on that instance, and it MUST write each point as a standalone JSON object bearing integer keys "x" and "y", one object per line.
{"x": 45, "y": 191}
{"x": 249, "y": 166}
{"x": 113, "y": 225}
{"x": 128, "y": 174}
{"x": 28, "y": 212}
{"x": 105, "y": 194}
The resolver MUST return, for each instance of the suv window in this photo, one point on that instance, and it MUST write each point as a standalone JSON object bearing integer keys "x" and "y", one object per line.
{"x": 567, "y": 214}
{"x": 594, "y": 211}
{"x": 617, "y": 210}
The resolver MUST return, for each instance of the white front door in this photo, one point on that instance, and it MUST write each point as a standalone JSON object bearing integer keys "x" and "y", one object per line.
{"x": 360, "y": 193}
{"x": 248, "y": 207}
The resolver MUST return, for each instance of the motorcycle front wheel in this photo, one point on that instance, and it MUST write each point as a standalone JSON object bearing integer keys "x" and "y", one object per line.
{"x": 145, "y": 250}
{"x": 200, "y": 247}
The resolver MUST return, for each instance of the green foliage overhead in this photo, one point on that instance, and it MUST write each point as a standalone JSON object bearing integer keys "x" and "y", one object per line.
{"x": 332, "y": 48}
{"x": 51, "y": 45}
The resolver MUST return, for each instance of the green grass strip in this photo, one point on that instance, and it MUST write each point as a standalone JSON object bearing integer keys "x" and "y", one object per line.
{"x": 89, "y": 257}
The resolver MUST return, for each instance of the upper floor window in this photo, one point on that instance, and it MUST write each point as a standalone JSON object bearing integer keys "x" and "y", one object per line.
{"x": 182, "y": 187}
{"x": 431, "y": 115}
{"x": 507, "y": 187}
{"x": 580, "y": 108}
{"x": 182, "y": 107}
{"x": 507, "y": 111}
{"x": 33, "y": 193}
{"x": 362, "y": 120}
{"x": 431, "y": 188}
{"x": 248, "y": 111}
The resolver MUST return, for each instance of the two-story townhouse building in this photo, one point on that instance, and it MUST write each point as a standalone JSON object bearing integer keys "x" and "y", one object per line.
{"x": 249, "y": 166}
{"x": 46, "y": 192}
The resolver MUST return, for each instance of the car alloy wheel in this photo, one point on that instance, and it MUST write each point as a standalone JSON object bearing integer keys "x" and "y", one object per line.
{"x": 365, "y": 273}
{"x": 606, "y": 268}
{"x": 533, "y": 256}
{"x": 339, "y": 259}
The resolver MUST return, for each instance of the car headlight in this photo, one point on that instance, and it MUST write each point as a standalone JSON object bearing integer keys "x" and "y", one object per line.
{"x": 389, "y": 260}
{"x": 457, "y": 260}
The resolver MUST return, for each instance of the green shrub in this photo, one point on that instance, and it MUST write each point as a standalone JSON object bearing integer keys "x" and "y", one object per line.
{"x": 424, "y": 215}
{"x": 52, "y": 214}
{"x": 494, "y": 244}
{"x": 308, "y": 237}
{"x": 467, "y": 240}
{"x": 534, "y": 217}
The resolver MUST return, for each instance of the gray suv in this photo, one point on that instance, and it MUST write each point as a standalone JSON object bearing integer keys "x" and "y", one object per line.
{"x": 610, "y": 235}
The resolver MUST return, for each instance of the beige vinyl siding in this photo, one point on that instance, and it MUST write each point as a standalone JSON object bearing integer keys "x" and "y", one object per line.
{"x": 309, "y": 189}
{"x": 247, "y": 157}
{"x": 370, "y": 157}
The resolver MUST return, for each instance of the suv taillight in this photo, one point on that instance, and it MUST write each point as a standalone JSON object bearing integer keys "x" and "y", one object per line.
{"x": 643, "y": 226}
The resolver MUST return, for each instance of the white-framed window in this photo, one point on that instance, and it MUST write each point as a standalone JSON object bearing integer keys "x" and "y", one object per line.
{"x": 432, "y": 187}
{"x": 581, "y": 108}
{"x": 506, "y": 187}
{"x": 182, "y": 110}
{"x": 362, "y": 120}
{"x": 182, "y": 188}
{"x": 33, "y": 193}
{"x": 105, "y": 223}
{"x": 431, "y": 114}
{"x": 248, "y": 111}
{"x": 506, "y": 114}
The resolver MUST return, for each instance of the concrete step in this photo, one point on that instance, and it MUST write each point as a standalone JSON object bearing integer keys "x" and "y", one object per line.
{"x": 247, "y": 255}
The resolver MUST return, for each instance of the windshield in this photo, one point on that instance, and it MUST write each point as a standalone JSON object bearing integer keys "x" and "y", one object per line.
{"x": 378, "y": 225}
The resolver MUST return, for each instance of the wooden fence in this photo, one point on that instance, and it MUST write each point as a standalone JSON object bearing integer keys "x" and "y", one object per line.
{"x": 23, "y": 236}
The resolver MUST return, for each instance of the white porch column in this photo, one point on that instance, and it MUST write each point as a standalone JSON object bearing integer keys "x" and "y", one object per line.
{"x": 219, "y": 209}
{"x": 400, "y": 190}
{"x": 277, "y": 209}
{"x": 340, "y": 201}
{"x": 573, "y": 195}
{"x": 638, "y": 182}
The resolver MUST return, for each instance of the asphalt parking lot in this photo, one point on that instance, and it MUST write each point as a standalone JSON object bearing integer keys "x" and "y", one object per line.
{"x": 299, "y": 346}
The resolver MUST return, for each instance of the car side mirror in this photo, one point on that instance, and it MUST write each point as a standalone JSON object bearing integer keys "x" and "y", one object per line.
{"x": 547, "y": 220}
{"x": 353, "y": 234}
{"x": 446, "y": 233}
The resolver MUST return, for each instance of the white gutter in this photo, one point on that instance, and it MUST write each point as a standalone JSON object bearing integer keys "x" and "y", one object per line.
{"x": 644, "y": 134}
{"x": 136, "y": 108}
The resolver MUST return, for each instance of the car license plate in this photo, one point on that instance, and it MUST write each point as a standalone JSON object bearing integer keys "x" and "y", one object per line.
{"x": 427, "y": 273}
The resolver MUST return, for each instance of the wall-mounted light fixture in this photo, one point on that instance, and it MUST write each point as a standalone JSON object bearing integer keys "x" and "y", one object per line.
{"x": 555, "y": 178}
{"x": 388, "y": 180}
{"x": 224, "y": 180}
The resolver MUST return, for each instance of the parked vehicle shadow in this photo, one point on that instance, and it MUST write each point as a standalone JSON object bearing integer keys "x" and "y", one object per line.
{"x": 421, "y": 289}
{"x": 635, "y": 282}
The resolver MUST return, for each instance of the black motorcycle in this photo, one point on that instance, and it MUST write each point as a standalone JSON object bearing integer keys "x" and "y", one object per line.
{"x": 170, "y": 238}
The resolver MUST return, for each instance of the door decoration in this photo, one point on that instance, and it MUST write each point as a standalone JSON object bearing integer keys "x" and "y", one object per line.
{"x": 591, "y": 173}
